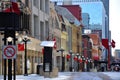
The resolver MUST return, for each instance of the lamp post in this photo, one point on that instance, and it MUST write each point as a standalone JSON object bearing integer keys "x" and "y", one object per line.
{"x": 83, "y": 66}
{"x": 71, "y": 60}
{"x": 63, "y": 59}
{"x": 78, "y": 62}
{"x": 10, "y": 39}
{"x": 25, "y": 40}
{"x": 91, "y": 63}
{"x": 87, "y": 63}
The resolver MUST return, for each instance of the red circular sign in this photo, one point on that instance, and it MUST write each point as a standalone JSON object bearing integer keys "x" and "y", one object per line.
{"x": 9, "y": 51}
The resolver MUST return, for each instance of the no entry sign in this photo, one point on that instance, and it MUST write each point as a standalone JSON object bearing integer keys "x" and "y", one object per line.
{"x": 9, "y": 52}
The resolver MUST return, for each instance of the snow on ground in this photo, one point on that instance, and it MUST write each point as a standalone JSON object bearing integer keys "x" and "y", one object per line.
{"x": 62, "y": 76}
{"x": 113, "y": 75}
{"x": 72, "y": 76}
{"x": 86, "y": 76}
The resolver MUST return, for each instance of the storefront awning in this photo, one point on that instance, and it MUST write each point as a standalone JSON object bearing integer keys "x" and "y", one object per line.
{"x": 47, "y": 43}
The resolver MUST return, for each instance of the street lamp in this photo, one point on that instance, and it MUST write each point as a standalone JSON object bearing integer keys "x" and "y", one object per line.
{"x": 63, "y": 59}
{"x": 10, "y": 39}
{"x": 83, "y": 60}
{"x": 25, "y": 40}
{"x": 78, "y": 61}
{"x": 91, "y": 63}
{"x": 71, "y": 60}
{"x": 87, "y": 63}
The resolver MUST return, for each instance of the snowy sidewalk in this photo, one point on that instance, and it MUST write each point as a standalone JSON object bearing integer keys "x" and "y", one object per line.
{"x": 65, "y": 76}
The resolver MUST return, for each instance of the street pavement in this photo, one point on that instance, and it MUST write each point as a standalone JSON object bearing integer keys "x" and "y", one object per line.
{"x": 73, "y": 76}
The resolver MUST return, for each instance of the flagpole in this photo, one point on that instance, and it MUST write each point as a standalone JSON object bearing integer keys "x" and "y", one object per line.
{"x": 108, "y": 58}
{"x": 10, "y": 6}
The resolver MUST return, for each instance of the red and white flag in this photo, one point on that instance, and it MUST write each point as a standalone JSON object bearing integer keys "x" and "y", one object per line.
{"x": 15, "y": 7}
{"x": 80, "y": 60}
{"x": 105, "y": 43}
{"x": 7, "y": 10}
{"x": 113, "y": 43}
{"x": 75, "y": 58}
{"x": 68, "y": 56}
{"x": 21, "y": 47}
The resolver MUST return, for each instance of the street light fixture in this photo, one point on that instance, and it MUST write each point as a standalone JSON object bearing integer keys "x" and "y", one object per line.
{"x": 63, "y": 59}
{"x": 71, "y": 60}
{"x": 25, "y": 40}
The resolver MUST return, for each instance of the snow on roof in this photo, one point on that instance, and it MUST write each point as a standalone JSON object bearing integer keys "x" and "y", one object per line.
{"x": 67, "y": 14}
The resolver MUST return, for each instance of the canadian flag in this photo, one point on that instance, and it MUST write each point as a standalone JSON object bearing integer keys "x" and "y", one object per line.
{"x": 105, "y": 43}
{"x": 75, "y": 58}
{"x": 113, "y": 43}
{"x": 14, "y": 7}
{"x": 80, "y": 60}
{"x": 21, "y": 47}
{"x": 68, "y": 56}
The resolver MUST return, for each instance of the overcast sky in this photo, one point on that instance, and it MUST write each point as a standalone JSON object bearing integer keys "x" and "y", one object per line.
{"x": 115, "y": 21}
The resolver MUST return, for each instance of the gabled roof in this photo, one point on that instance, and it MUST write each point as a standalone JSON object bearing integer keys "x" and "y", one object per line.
{"x": 67, "y": 14}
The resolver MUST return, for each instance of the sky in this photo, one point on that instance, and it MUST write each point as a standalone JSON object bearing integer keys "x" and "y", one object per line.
{"x": 90, "y": 8}
{"x": 115, "y": 21}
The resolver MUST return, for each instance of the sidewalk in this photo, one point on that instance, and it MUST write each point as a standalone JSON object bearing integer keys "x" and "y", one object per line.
{"x": 70, "y": 76}
{"x": 61, "y": 76}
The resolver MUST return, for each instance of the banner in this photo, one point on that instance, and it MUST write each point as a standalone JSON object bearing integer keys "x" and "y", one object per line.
{"x": 105, "y": 43}
{"x": 21, "y": 47}
{"x": 113, "y": 43}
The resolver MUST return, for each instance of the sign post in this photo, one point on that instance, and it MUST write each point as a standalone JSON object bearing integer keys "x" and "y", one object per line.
{"x": 9, "y": 52}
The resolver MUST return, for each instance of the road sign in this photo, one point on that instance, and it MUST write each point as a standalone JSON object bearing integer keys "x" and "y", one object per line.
{"x": 9, "y": 52}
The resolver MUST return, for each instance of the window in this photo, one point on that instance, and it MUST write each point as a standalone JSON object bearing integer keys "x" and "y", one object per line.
{"x": 36, "y": 3}
{"x": 41, "y": 31}
{"x": 36, "y": 28}
{"x": 46, "y": 29}
{"x": 63, "y": 27}
{"x": 42, "y": 5}
{"x": 47, "y": 6}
